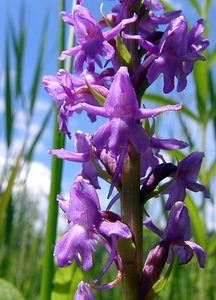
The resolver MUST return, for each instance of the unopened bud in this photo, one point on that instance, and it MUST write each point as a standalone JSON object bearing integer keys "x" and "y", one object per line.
{"x": 153, "y": 267}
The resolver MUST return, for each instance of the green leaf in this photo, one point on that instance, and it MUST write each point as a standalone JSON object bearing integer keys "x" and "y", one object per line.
{"x": 167, "y": 6}
{"x": 37, "y": 73}
{"x": 197, "y": 223}
{"x": 201, "y": 87}
{"x": 206, "y": 6}
{"x": 65, "y": 282}
{"x": 55, "y": 187}
{"x": 186, "y": 131}
{"x": 211, "y": 57}
{"x": 211, "y": 171}
{"x": 101, "y": 172}
{"x": 37, "y": 137}
{"x": 5, "y": 197}
{"x": 8, "y": 291}
{"x": 196, "y": 6}
{"x": 8, "y": 100}
{"x": 176, "y": 154}
{"x": 19, "y": 47}
{"x": 123, "y": 55}
{"x": 100, "y": 99}
{"x": 165, "y": 101}
{"x": 212, "y": 245}
{"x": 212, "y": 94}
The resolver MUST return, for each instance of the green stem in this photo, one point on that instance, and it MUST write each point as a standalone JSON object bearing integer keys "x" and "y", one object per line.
{"x": 132, "y": 214}
{"x": 131, "y": 206}
{"x": 56, "y": 174}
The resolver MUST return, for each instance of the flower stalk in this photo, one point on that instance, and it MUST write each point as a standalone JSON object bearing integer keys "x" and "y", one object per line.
{"x": 132, "y": 214}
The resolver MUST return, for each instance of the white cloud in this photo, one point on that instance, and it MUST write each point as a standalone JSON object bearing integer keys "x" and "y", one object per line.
{"x": 42, "y": 105}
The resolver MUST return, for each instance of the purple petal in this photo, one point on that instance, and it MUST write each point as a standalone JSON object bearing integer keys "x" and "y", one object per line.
{"x": 84, "y": 204}
{"x": 112, "y": 256}
{"x": 199, "y": 252}
{"x": 190, "y": 165}
{"x": 176, "y": 192}
{"x": 76, "y": 240}
{"x": 167, "y": 144}
{"x": 153, "y": 112}
{"x": 153, "y": 228}
{"x": 196, "y": 187}
{"x": 83, "y": 292}
{"x": 67, "y": 17}
{"x": 70, "y": 52}
{"x": 178, "y": 224}
{"x": 71, "y": 156}
{"x": 82, "y": 142}
{"x": 121, "y": 100}
{"x": 117, "y": 229}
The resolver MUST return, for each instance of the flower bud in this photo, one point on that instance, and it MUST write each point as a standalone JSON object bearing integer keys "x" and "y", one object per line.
{"x": 153, "y": 267}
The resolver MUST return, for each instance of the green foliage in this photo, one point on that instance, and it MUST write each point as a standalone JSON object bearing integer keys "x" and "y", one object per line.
{"x": 8, "y": 291}
{"x": 20, "y": 242}
{"x": 65, "y": 282}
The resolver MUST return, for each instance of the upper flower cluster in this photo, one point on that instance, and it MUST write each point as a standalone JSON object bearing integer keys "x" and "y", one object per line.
{"x": 106, "y": 84}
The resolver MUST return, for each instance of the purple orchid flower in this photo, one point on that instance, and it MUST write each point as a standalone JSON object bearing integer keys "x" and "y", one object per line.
{"x": 87, "y": 224}
{"x": 121, "y": 107}
{"x": 186, "y": 178}
{"x": 83, "y": 292}
{"x": 150, "y": 157}
{"x": 173, "y": 52}
{"x": 81, "y": 154}
{"x": 178, "y": 233}
{"x": 92, "y": 42}
{"x": 176, "y": 53}
{"x": 61, "y": 88}
{"x": 105, "y": 78}
{"x": 151, "y": 23}
{"x": 153, "y": 5}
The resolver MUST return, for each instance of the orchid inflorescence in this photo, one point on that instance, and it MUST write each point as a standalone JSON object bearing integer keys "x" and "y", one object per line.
{"x": 115, "y": 60}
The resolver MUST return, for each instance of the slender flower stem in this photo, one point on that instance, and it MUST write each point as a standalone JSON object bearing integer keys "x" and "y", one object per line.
{"x": 131, "y": 206}
{"x": 132, "y": 214}
{"x": 56, "y": 174}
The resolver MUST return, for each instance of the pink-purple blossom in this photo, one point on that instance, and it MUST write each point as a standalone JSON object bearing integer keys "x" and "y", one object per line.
{"x": 178, "y": 233}
{"x": 86, "y": 225}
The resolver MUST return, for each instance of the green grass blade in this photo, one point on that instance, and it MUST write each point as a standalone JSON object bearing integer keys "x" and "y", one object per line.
{"x": 30, "y": 152}
{"x": 196, "y": 6}
{"x": 212, "y": 94}
{"x": 56, "y": 174}
{"x": 5, "y": 197}
{"x": 167, "y": 6}
{"x": 37, "y": 73}
{"x": 211, "y": 57}
{"x": 20, "y": 52}
{"x": 211, "y": 171}
{"x": 165, "y": 101}
{"x": 206, "y": 6}
{"x": 201, "y": 87}
{"x": 8, "y": 99}
{"x": 19, "y": 49}
{"x": 198, "y": 226}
